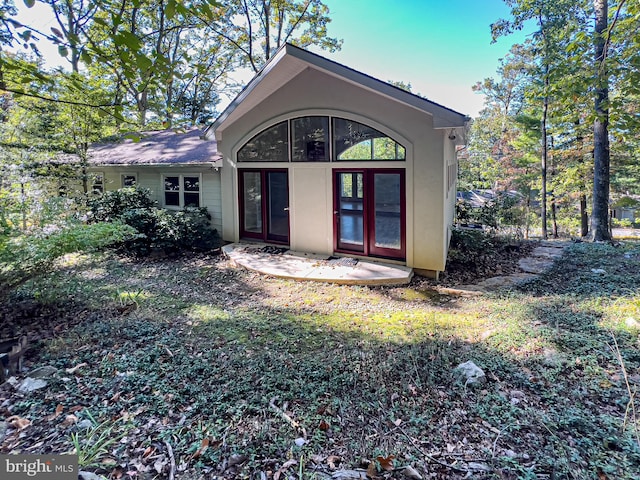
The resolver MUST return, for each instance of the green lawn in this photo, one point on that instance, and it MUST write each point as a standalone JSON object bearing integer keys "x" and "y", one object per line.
{"x": 244, "y": 376}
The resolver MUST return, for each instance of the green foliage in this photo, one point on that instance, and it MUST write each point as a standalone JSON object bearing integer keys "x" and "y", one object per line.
{"x": 26, "y": 255}
{"x": 158, "y": 229}
{"x": 112, "y": 205}
{"x": 626, "y": 202}
{"x": 186, "y": 365}
{"x": 468, "y": 245}
{"x": 622, "y": 222}
{"x": 556, "y": 86}
{"x": 170, "y": 58}
{"x": 504, "y": 209}
{"x": 96, "y": 442}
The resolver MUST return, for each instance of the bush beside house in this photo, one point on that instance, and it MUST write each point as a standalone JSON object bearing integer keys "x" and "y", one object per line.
{"x": 158, "y": 230}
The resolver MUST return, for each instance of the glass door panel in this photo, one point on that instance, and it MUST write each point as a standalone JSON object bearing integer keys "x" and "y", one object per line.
{"x": 350, "y": 211}
{"x": 387, "y": 232}
{"x": 277, "y": 206}
{"x": 252, "y": 202}
{"x": 264, "y": 205}
{"x": 369, "y": 212}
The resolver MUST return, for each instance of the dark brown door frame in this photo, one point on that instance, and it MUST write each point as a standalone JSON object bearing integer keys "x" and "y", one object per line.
{"x": 369, "y": 247}
{"x": 264, "y": 199}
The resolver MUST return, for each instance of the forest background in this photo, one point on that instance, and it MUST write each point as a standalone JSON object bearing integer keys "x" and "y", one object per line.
{"x": 556, "y": 141}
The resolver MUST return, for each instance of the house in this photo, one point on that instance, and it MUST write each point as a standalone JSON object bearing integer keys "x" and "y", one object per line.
{"x": 320, "y": 158}
{"x": 625, "y": 208}
{"x": 325, "y": 159}
{"x": 178, "y": 168}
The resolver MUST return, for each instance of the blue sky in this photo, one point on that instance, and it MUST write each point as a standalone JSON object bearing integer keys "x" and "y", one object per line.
{"x": 441, "y": 47}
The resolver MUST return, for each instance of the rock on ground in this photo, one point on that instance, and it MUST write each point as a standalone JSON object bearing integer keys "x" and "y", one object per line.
{"x": 470, "y": 373}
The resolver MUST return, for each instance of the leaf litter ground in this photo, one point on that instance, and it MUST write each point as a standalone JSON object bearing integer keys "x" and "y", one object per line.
{"x": 190, "y": 368}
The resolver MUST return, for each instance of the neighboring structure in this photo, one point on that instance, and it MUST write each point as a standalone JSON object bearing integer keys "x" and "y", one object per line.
{"x": 315, "y": 156}
{"x": 178, "y": 167}
{"x": 626, "y": 208}
{"x": 328, "y": 160}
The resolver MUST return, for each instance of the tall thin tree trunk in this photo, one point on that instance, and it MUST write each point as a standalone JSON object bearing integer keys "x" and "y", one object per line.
{"x": 23, "y": 205}
{"x": 554, "y": 220}
{"x": 584, "y": 217}
{"x": 142, "y": 105}
{"x": 543, "y": 190}
{"x": 528, "y": 212}
{"x": 601, "y": 161}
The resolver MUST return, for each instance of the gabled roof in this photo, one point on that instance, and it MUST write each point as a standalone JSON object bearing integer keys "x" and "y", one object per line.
{"x": 162, "y": 147}
{"x": 290, "y": 60}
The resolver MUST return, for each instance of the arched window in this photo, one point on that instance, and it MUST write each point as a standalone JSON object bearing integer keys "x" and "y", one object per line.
{"x": 311, "y": 139}
{"x": 270, "y": 145}
{"x": 356, "y": 141}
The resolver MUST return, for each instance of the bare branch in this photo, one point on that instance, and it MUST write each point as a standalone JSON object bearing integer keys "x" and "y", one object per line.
{"x": 297, "y": 22}
{"x": 58, "y": 100}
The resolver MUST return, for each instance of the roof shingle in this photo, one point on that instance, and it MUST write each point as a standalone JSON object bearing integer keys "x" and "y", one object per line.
{"x": 160, "y": 147}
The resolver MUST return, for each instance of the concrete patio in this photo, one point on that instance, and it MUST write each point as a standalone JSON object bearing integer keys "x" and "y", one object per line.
{"x": 279, "y": 262}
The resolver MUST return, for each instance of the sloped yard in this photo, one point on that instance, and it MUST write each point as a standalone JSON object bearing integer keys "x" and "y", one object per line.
{"x": 192, "y": 369}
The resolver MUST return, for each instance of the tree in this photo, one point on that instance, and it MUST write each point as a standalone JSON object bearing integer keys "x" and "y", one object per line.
{"x": 73, "y": 17}
{"x": 601, "y": 160}
{"x": 552, "y": 20}
{"x": 258, "y": 28}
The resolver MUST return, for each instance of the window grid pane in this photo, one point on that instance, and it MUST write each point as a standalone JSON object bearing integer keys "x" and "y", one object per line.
{"x": 310, "y": 138}
{"x": 270, "y": 145}
{"x": 172, "y": 184}
{"x": 356, "y": 141}
{"x": 172, "y": 199}
{"x": 129, "y": 181}
{"x": 312, "y": 141}
{"x": 191, "y": 184}
{"x": 191, "y": 199}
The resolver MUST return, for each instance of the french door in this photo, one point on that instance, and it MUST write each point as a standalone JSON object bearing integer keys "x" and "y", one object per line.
{"x": 264, "y": 205}
{"x": 369, "y": 212}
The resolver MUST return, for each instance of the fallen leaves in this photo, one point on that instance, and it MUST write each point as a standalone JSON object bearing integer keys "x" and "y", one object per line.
{"x": 69, "y": 420}
{"x": 57, "y": 413}
{"x": 203, "y": 448}
{"x": 73, "y": 370}
{"x": 333, "y": 461}
{"x": 386, "y": 463}
{"x": 18, "y": 423}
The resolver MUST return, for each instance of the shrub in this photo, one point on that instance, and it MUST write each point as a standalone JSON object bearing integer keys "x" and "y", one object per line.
{"x": 621, "y": 222}
{"x": 170, "y": 232}
{"x": 158, "y": 229}
{"x": 113, "y": 205}
{"x": 503, "y": 209}
{"x": 469, "y": 245}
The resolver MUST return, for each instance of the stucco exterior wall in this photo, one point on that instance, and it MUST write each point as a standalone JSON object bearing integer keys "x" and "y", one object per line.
{"x": 151, "y": 177}
{"x": 450, "y": 182}
{"x": 310, "y": 184}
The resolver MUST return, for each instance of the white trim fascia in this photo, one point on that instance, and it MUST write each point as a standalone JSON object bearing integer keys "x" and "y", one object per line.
{"x": 214, "y": 164}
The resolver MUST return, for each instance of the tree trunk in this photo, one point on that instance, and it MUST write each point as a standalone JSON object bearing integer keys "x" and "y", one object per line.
{"x": 554, "y": 220}
{"x": 142, "y": 105}
{"x": 584, "y": 217}
{"x": 543, "y": 190}
{"x": 73, "y": 28}
{"x": 600, "y": 212}
{"x": 528, "y": 211}
{"x": 23, "y": 205}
